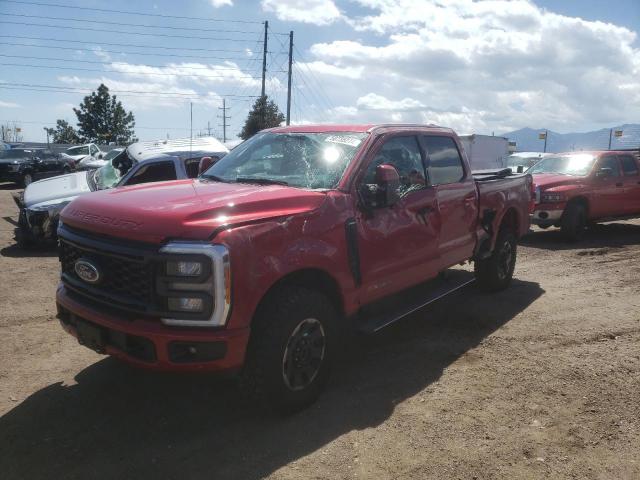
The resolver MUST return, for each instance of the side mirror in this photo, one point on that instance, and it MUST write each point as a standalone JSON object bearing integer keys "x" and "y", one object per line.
{"x": 384, "y": 193}
{"x": 206, "y": 163}
{"x": 604, "y": 172}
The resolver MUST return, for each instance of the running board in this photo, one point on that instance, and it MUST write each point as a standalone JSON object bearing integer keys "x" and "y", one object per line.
{"x": 396, "y": 307}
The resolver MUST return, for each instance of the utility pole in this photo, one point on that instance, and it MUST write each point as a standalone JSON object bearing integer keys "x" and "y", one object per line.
{"x": 264, "y": 55}
{"x": 47, "y": 130}
{"x": 610, "y": 134}
{"x": 546, "y": 134}
{"x": 209, "y": 128}
{"x": 289, "y": 79}
{"x": 224, "y": 117}
{"x": 191, "y": 127}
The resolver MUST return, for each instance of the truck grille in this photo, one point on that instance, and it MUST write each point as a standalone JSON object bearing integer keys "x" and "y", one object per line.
{"x": 125, "y": 281}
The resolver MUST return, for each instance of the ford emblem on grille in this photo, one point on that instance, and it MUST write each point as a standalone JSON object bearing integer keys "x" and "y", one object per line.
{"x": 87, "y": 271}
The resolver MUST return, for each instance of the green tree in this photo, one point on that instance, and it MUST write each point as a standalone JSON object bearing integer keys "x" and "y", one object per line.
{"x": 63, "y": 133}
{"x": 103, "y": 119}
{"x": 263, "y": 114}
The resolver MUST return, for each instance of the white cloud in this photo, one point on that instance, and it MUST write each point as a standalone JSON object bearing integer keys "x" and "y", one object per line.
{"x": 481, "y": 66}
{"x": 317, "y": 12}
{"x": 220, "y": 3}
{"x": 4, "y": 104}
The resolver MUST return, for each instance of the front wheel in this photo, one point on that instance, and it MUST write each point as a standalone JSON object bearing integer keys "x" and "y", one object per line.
{"x": 574, "y": 222}
{"x": 289, "y": 353}
{"x": 495, "y": 273}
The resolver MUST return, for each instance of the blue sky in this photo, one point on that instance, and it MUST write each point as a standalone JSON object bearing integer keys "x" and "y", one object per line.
{"x": 567, "y": 65}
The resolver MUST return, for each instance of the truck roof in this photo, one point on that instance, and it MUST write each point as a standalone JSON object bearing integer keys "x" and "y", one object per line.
{"x": 143, "y": 150}
{"x": 360, "y": 128}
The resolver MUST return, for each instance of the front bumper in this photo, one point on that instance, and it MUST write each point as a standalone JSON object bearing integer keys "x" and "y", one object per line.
{"x": 147, "y": 343}
{"x": 546, "y": 217}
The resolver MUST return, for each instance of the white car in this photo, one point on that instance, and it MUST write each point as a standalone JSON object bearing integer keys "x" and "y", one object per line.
{"x": 79, "y": 152}
{"x": 91, "y": 163}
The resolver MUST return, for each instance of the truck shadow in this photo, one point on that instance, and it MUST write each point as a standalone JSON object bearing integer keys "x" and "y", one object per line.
{"x": 117, "y": 422}
{"x": 599, "y": 236}
{"x": 15, "y": 251}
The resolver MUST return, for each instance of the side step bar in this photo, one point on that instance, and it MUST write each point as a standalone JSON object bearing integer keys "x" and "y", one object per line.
{"x": 392, "y": 309}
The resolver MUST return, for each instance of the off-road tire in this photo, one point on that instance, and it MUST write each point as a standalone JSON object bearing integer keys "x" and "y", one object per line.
{"x": 574, "y": 222}
{"x": 21, "y": 233}
{"x": 495, "y": 272}
{"x": 263, "y": 380}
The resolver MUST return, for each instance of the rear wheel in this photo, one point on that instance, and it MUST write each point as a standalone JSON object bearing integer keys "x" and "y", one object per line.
{"x": 495, "y": 273}
{"x": 574, "y": 222}
{"x": 289, "y": 353}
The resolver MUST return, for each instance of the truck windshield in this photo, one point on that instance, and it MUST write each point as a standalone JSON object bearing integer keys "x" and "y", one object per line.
{"x": 578, "y": 164}
{"x": 77, "y": 150}
{"x": 14, "y": 153}
{"x": 305, "y": 160}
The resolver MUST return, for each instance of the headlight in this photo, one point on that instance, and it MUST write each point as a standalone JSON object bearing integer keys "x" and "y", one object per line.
{"x": 184, "y": 269}
{"x": 185, "y": 304}
{"x": 195, "y": 284}
{"x": 552, "y": 197}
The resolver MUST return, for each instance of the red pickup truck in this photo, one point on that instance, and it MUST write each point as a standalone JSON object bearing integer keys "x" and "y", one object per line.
{"x": 257, "y": 266}
{"x": 575, "y": 189}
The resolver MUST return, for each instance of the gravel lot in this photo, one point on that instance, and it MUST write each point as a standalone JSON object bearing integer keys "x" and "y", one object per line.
{"x": 540, "y": 381}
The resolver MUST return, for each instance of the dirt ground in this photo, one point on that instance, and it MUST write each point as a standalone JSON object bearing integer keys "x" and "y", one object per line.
{"x": 540, "y": 381}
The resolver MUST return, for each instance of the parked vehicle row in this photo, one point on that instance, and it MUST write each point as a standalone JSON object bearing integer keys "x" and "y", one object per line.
{"x": 260, "y": 264}
{"x": 141, "y": 162}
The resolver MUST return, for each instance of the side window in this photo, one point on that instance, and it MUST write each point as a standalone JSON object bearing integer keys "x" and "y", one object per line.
{"x": 612, "y": 163}
{"x": 629, "y": 166}
{"x": 192, "y": 165}
{"x": 153, "y": 172}
{"x": 404, "y": 154}
{"x": 445, "y": 164}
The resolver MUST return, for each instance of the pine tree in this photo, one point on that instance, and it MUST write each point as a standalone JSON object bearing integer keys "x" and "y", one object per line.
{"x": 263, "y": 114}
{"x": 63, "y": 133}
{"x": 103, "y": 119}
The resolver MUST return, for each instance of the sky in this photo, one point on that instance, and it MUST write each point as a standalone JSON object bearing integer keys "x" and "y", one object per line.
{"x": 476, "y": 66}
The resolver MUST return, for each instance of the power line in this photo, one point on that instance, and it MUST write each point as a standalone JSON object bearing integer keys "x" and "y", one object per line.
{"x": 128, "y": 44}
{"x": 124, "y": 32}
{"x": 139, "y": 92}
{"x": 73, "y": 69}
{"x": 54, "y": 122}
{"x": 116, "y": 62}
{"x": 122, "y": 24}
{"x": 104, "y": 10}
{"x": 102, "y": 50}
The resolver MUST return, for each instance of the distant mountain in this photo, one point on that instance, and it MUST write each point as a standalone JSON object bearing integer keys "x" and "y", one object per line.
{"x": 527, "y": 139}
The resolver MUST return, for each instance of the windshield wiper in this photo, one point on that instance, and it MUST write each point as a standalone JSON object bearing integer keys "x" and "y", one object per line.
{"x": 260, "y": 181}
{"x": 215, "y": 178}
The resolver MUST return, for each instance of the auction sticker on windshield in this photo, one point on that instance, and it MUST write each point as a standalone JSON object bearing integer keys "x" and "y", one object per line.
{"x": 350, "y": 140}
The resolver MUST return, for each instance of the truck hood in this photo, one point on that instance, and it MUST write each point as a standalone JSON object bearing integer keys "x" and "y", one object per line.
{"x": 550, "y": 180}
{"x": 184, "y": 209}
{"x": 56, "y": 188}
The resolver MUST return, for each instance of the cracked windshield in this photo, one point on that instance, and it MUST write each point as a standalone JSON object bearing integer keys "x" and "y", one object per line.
{"x": 305, "y": 160}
